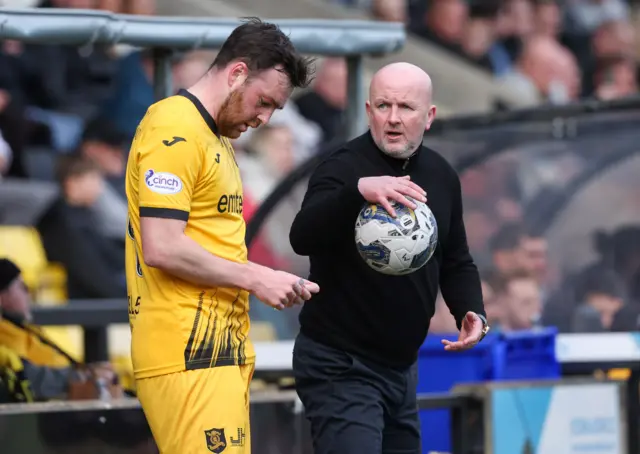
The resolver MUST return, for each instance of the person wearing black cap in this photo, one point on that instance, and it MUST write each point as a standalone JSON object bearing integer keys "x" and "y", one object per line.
{"x": 16, "y": 330}
{"x": 14, "y": 296}
{"x": 42, "y": 369}
{"x": 28, "y": 381}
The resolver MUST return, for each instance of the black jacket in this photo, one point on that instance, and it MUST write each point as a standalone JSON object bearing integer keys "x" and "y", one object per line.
{"x": 94, "y": 264}
{"x": 379, "y": 317}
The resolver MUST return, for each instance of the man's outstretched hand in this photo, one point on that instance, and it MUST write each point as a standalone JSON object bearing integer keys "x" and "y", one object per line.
{"x": 470, "y": 334}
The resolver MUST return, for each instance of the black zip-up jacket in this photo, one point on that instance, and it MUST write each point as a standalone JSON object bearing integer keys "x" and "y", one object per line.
{"x": 379, "y": 317}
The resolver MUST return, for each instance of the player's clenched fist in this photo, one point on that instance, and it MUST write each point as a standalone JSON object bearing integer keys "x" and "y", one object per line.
{"x": 279, "y": 289}
{"x": 384, "y": 189}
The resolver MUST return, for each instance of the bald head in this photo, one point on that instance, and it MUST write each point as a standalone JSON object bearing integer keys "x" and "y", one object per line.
{"x": 544, "y": 60}
{"x": 399, "y": 108}
{"x": 402, "y": 76}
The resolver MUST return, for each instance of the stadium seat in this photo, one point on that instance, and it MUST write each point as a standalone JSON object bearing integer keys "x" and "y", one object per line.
{"x": 23, "y": 246}
{"x": 46, "y": 281}
{"x": 68, "y": 338}
{"x": 52, "y": 288}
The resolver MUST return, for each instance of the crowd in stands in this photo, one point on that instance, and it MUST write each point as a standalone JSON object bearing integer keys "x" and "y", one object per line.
{"x": 554, "y": 51}
{"x": 68, "y": 115}
{"x": 523, "y": 291}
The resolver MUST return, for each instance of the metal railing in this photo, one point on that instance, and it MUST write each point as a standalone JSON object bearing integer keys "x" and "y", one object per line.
{"x": 349, "y": 39}
{"x": 277, "y": 420}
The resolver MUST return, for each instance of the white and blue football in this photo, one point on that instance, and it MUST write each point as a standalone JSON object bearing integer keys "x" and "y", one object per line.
{"x": 400, "y": 245}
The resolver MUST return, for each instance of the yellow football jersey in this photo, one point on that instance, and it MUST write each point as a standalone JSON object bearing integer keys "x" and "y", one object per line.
{"x": 179, "y": 167}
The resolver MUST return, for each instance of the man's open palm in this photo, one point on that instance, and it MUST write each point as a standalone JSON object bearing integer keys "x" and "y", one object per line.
{"x": 470, "y": 333}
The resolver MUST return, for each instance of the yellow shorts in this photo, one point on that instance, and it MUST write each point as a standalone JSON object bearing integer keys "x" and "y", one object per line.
{"x": 199, "y": 411}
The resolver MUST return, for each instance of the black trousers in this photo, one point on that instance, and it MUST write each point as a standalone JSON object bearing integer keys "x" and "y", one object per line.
{"x": 354, "y": 406}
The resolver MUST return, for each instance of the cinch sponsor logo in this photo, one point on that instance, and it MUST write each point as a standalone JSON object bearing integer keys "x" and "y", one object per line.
{"x": 230, "y": 203}
{"x": 162, "y": 182}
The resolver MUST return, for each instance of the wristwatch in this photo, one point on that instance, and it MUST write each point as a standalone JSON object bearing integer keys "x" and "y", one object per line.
{"x": 485, "y": 326}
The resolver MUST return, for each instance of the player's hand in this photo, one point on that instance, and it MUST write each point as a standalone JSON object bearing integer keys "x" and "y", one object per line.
{"x": 279, "y": 289}
{"x": 470, "y": 334}
{"x": 383, "y": 190}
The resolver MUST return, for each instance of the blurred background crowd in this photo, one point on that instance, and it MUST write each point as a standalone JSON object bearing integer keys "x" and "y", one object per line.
{"x": 551, "y": 50}
{"x": 68, "y": 115}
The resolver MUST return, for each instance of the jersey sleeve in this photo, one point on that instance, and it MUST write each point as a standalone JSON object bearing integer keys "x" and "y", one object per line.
{"x": 169, "y": 165}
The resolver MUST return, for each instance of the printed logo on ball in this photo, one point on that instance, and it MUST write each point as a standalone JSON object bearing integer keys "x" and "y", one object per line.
{"x": 162, "y": 182}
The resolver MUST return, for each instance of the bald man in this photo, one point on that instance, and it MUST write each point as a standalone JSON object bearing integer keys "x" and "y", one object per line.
{"x": 355, "y": 357}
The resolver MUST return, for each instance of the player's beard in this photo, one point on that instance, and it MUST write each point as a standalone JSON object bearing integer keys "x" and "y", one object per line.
{"x": 231, "y": 116}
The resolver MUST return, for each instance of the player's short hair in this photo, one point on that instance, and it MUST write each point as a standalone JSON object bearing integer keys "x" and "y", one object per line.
{"x": 262, "y": 46}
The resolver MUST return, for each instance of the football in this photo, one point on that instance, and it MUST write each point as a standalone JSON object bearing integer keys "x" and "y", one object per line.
{"x": 400, "y": 245}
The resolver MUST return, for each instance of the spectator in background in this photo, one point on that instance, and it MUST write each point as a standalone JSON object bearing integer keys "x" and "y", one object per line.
{"x": 13, "y": 129}
{"x": 443, "y": 23}
{"x": 602, "y": 304}
{"x": 481, "y": 217}
{"x": 104, "y": 145}
{"x": 268, "y": 158}
{"x": 506, "y": 251}
{"x": 325, "y": 103}
{"x": 51, "y": 373}
{"x": 72, "y": 236}
{"x": 479, "y": 38}
{"x": 518, "y": 295}
{"x": 545, "y": 72}
{"x": 547, "y": 18}
{"x": 535, "y": 256}
{"x": 516, "y": 25}
{"x": 615, "y": 78}
{"x": 16, "y": 329}
{"x": 619, "y": 253}
{"x": 60, "y": 86}
{"x": 133, "y": 91}
{"x": 611, "y": 39}
{"x": 620, "y": 250}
